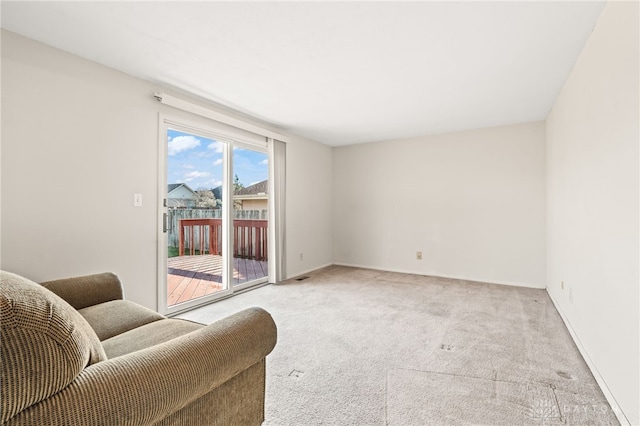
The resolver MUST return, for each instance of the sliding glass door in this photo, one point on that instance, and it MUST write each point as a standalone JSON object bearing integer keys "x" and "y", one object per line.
{"x": 214, "y": 195}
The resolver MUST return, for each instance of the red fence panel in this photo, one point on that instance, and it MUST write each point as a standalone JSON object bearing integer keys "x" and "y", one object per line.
{"x": 249, "y": 237}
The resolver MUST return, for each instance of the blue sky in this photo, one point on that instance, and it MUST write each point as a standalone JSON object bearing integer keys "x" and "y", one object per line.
{"x": 197, "y": 161}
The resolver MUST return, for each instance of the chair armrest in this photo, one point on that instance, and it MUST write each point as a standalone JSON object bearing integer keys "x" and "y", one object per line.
{"x": 143, "y": 387}
{"x": 87, "y": 290}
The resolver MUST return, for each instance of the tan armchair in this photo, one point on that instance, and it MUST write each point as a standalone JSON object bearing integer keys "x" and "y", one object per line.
{"x": 75, "y": 353}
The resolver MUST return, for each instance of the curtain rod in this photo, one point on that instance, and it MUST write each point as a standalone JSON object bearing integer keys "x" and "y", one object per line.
{"x": 172, "y": 101}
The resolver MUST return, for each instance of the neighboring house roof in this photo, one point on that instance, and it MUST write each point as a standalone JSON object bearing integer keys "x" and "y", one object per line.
{"x": 174, "y": 186}
{"x": 257, "y": 189}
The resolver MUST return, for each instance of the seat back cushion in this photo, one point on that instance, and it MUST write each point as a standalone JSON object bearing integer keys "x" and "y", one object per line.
{"x": 45, "y": 344}
{"x": 117, "y": 316}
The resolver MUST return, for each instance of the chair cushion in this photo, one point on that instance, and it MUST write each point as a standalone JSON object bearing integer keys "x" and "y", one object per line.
{"x": 45, "y": 344}
{"x": 148, "y": 335}
{"x": 87, "y": 290}
{"x": 117, "y": 316}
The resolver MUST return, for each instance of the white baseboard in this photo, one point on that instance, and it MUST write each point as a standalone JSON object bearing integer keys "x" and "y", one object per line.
{"x": 594, "y": 370}
{"x": 297, "y": 274}
{"x": 401, "y": 271}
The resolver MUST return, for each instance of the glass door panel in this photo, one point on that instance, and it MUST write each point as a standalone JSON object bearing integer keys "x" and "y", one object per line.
{"x": 250, "y": 223}
{"x": 195, "y": 227}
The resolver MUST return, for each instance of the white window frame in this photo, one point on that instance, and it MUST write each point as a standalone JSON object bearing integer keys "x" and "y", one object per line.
{"x": 230, "y": 140}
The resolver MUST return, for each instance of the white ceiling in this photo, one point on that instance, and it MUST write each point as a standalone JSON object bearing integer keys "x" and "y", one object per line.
{"x": 335, "y": 72}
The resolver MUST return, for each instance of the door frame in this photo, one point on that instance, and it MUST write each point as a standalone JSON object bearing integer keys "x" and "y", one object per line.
{"x": 229, "y": 140}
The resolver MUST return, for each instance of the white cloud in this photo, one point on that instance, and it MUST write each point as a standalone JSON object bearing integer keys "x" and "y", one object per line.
{"x": 218, "y": 162}
{"x": 182, "y": 143}
{"x": 188, "y": 177}
{"x": 196, "y": 174}
{"x": 217, "y": 146}
{"x": 265, "y": 161}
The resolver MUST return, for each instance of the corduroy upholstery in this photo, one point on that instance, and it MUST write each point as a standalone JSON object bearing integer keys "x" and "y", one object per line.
{"x": 159, "y": 372}
{"x": 88, "y": 290}
{"x": 45, "y": 344}
{"x": 115, "y": 317}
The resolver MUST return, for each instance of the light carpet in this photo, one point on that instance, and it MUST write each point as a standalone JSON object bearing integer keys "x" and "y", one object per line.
{"x": 365, "y": 347}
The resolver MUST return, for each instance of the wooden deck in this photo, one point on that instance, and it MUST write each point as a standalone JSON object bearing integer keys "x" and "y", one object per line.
{"x": 191, "y": 277}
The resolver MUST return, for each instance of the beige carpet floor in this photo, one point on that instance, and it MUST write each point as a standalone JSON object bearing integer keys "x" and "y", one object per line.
{"x": 366, "y": 347}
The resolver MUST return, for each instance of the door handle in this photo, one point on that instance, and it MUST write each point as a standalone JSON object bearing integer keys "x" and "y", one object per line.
{"x": 164, "y": 223}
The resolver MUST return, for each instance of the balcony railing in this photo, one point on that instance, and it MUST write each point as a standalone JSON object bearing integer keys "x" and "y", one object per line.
{"x": 205, "y": 236}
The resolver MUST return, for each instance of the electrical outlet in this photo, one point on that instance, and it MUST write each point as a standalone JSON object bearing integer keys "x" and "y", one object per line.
{"x": 419, "y": 255}
{"x": 561, "y": 285}
{"x": 301, "y": 257}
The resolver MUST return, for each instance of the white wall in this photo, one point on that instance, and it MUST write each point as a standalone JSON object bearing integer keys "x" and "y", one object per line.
{"x": 592, "y": 146}
{"x": 473, "y": 202}
{"x": 1, "y": 33}
{"x": 309, "y": 207}
{"x": 71, "y": 126}
{"x": 78, "y": 140}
